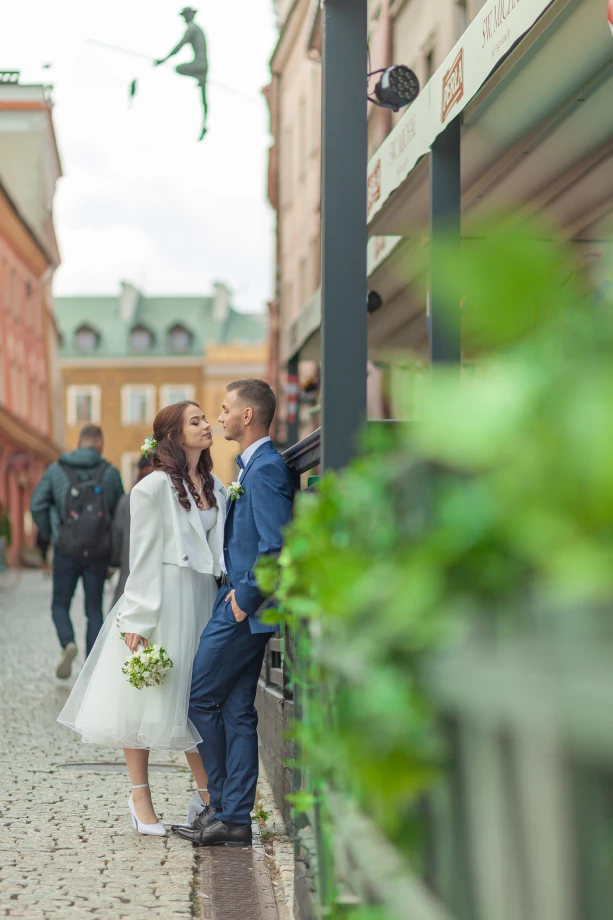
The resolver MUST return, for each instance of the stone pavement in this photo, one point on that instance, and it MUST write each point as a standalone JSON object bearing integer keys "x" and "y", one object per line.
{"x": 67, "y": 848}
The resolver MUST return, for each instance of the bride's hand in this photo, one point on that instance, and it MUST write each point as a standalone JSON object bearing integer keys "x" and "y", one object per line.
{"x": 132, "y": 640}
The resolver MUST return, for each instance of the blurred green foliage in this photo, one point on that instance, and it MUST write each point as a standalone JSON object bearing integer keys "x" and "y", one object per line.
{"x": 493, "y": 512}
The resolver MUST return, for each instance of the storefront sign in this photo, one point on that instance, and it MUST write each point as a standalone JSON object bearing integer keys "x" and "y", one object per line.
{"x": 496, "y": 28}
{"x": 453, "y": 85}
{"x": 399, "y": 153}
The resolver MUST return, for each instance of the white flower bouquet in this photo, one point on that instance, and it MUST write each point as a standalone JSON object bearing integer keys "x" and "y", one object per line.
{"x": 147, "y": 667}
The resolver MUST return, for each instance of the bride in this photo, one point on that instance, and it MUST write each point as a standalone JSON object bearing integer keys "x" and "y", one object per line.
{"x": 176, "y": 539}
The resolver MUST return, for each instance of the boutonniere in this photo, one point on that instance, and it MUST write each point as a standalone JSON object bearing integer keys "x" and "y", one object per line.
{"x": 235, "y": 490}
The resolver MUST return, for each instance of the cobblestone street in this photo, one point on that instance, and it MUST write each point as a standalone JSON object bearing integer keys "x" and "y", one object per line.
{"x": 67, "y": 848}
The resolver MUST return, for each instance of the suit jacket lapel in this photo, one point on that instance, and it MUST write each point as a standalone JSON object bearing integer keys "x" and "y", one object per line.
{"x": 264, "y": 448}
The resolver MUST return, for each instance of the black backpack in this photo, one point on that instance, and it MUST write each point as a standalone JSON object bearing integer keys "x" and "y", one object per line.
{"x": 85, "y": 534}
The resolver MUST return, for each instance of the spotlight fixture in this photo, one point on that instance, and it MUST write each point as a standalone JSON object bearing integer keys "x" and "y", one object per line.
{"x": 374, "y": 301}
{"x": 397, "y": 87}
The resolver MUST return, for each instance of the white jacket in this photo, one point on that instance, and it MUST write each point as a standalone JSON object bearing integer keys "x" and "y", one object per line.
{"x": 164, "y": 538}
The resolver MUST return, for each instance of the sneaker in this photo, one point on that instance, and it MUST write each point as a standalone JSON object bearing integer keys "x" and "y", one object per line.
{"x": 65, "y": 666}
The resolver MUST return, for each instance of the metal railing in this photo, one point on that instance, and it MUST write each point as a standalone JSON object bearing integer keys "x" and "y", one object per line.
{"x": 301, "y": 457}
{"x": 520, "y": 826}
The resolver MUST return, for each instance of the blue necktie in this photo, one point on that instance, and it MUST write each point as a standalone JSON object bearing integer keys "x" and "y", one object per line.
{"x": 239, "y": 462}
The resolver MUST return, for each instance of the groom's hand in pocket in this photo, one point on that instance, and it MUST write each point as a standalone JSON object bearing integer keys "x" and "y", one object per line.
{"x": 239, "y": 615}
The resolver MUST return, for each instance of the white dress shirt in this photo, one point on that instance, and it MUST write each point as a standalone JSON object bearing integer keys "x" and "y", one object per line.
{"x": 246, "y": 456}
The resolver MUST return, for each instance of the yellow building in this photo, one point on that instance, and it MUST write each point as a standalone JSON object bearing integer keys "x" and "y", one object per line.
{"x": 123, "y": 358}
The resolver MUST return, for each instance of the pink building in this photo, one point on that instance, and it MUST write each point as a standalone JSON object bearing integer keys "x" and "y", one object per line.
{"x": 30, "y": 404}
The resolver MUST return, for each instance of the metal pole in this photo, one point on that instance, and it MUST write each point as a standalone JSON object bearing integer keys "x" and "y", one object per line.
{"x": 445, "y": 231}
{"x": 344, "y": 234}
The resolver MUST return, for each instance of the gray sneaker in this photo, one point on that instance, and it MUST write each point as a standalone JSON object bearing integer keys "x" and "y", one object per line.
{"x": 65, "y": 665}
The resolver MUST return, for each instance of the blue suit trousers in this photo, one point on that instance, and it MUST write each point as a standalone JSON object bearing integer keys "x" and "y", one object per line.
{"x": 224, "y": 684}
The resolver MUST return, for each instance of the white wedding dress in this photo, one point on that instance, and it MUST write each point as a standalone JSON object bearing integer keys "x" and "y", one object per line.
{"x": 105, "y": 709}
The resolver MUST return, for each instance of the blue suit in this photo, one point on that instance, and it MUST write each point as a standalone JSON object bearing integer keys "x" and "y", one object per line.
{"x": 229, "y": 660}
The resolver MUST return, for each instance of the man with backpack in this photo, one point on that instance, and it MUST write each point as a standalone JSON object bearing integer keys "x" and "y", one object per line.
{"x": 73, "y": 506}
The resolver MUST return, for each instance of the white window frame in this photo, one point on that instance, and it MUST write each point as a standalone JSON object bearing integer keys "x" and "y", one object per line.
{"x": 129, "y": 460}
{"x": 71, "y": 404}
{"x": 188, "y": 388}
{"x": 130, "y": 389}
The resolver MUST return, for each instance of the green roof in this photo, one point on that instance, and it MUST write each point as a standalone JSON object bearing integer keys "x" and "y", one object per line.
{"x": 158, "y": 315}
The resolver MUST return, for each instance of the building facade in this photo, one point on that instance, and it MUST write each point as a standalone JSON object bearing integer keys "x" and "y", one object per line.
{"x": 31, "y": 421}
{"x": 417, "y": 33}
{"x": 123, "y": 358}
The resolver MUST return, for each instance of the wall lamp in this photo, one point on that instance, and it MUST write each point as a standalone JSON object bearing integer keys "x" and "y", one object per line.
{"x": 397, "y": 87}
{"x": 374, "y": 301}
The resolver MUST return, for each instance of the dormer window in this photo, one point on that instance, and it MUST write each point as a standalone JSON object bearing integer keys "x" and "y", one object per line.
{"x": 141, "y": 339}
{"x": 86, "y": 338}
{"x": 179, "y": 338}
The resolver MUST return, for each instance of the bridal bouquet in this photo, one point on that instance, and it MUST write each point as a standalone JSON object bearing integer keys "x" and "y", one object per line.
{"x": 147, "y": 667}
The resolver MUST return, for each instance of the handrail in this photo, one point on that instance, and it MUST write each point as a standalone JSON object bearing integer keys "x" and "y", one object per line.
{"x": 306, "y": 454}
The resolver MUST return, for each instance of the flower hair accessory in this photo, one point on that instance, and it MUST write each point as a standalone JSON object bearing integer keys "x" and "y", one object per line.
{"x": 149, "y": 446}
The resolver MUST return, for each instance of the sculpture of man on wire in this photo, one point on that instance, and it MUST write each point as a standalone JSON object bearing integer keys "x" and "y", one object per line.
{"x": 197, "y": 68}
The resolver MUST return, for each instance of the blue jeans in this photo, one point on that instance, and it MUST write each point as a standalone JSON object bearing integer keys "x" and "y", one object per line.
{"x": 66, "y": 574}
{"x": 224, "y": 683}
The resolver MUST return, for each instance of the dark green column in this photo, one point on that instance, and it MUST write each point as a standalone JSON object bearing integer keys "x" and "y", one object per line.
{"x": 344, "y": 234}
{"x": 445, "y": 215}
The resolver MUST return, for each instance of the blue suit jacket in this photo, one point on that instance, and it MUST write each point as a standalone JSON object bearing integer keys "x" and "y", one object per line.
{"x": 254, "y": 525}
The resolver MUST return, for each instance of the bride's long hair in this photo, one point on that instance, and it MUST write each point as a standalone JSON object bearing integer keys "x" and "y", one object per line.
{"x": 170, "y": 457}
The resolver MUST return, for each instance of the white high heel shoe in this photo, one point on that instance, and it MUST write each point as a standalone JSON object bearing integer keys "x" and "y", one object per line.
{"x": 195, "y": 806}
{"x": 153, "y": 830}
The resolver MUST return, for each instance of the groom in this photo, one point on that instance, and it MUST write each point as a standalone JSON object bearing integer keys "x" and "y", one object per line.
{"x": 228, "y": 662}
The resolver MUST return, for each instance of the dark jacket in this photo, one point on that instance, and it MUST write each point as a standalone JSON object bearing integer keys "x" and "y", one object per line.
{"x": 120, "y": 535}
{"x": 49, "y": 497}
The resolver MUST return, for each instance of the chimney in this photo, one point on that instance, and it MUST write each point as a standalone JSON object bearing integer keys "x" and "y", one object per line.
{"x": 129, "y": 301}
{"x": 221, "y": 301}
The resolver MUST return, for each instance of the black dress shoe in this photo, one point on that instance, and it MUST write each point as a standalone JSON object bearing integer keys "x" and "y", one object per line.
{"x": 218, "y": 834}
{"x": 200, "y": 821}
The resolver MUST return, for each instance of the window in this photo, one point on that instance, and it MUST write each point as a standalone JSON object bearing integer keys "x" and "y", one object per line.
{"x": 137, "y": 404}
{"x": 83, "y": 405}
{"x": 315, "y": 110}
{"x": 86, "y": 338}
{"x": 302, "y": 139}
{"x": 14, "y": 295}
{"x": 316, "y": 262}
{"x": 303, "y": 292}
{"x": 428, "y": 64}
{"x": 141, "y": 339}
{"x": 287, "y": 175}
{"x": 179, "y": 338}
{"x": 176, "y": 392}
{"x": 461, "y": 15}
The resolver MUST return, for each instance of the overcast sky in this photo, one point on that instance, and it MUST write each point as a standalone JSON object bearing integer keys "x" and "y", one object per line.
{"x": 141, "y": 200}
